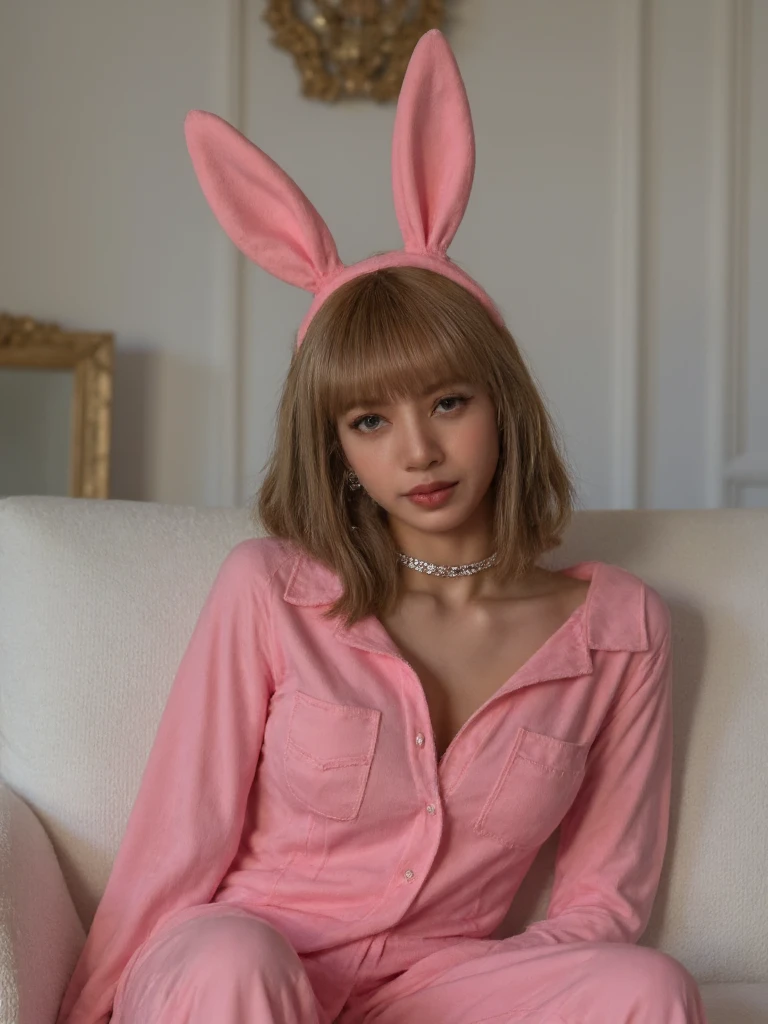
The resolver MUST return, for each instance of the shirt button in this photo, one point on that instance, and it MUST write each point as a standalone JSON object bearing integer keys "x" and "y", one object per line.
{"x": 419, "y": 739}
{"x": 430, "y": 808}
{"x": 408, "y": 875}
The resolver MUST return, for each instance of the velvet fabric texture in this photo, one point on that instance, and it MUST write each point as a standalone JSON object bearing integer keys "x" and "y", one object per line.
{"x": 295, "y": 775}
{"x": 275, "y": 225}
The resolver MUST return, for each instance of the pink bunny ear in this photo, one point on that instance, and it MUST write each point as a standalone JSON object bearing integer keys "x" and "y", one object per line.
{"x": 262, "y": 210}
{"x": 433, "y": 149}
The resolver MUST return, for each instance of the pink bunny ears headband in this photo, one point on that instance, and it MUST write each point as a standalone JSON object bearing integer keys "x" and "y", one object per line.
{"x": 273, "y": 223}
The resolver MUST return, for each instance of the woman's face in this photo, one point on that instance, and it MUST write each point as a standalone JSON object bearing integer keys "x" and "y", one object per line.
{"x": 449, "y": 435}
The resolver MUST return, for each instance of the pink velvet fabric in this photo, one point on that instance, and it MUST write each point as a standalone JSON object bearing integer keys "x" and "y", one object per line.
{"x": 294, "y": 782}
{"x": 272, "y": 222}
{"x": 224, "y": 964}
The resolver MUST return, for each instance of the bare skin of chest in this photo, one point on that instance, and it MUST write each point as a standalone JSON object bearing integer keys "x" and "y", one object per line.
{"x": 463, "y": 658}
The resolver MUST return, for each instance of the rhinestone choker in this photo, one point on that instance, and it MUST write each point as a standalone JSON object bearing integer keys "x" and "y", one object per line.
{"x": 446, "y": 570}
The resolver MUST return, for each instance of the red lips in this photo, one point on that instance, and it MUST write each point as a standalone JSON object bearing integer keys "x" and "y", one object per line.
{"x": 438, "y": 485}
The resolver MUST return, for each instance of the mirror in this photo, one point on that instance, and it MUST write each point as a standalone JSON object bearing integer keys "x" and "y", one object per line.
{"x": 55, "y": 409}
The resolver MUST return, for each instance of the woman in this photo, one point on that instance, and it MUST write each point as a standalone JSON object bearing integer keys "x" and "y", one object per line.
{"x": 386, "y": 705}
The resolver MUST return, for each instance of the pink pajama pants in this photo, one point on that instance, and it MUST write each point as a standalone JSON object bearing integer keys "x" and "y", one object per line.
{"x": 228, "y": 966}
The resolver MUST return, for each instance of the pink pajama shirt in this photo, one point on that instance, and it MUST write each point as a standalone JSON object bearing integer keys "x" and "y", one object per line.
{"x": 297, "y": 852}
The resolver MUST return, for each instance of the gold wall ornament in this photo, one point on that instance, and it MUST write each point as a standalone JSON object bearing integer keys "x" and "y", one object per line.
{"x": 28, "y": 343}
{"x": 347, "y": 48}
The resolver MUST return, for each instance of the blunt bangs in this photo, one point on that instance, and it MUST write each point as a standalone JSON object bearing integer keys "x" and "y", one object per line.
{"x": 391, "y": 342}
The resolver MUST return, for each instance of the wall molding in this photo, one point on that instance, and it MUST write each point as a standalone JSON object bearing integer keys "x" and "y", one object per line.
{"x": 630, "y": 242}
{"x": 726, "y": 343}
{"x": 729, "y": 462}
{"x": 228, "y": 286}
{"x": 747, "y": 469}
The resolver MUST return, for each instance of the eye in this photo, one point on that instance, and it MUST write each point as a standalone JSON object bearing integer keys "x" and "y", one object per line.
{"x": 355, "y": 425}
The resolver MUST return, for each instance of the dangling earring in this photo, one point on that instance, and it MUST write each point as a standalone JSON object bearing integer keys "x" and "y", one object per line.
{"x": 353, "y": 484}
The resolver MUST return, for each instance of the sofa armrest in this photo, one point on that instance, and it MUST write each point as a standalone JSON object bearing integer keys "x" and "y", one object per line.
{"x": 40, "y": 932}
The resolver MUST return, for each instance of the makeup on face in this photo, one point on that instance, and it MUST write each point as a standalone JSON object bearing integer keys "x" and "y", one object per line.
{"x": 433, "y": 499}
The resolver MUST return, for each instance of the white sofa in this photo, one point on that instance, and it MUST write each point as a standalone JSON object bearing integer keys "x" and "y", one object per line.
{"x": 98, "y": 600}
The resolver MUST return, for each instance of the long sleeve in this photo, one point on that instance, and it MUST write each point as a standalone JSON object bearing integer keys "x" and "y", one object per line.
{"x": 185, "y": 826}
{"x": 613, "y": 838}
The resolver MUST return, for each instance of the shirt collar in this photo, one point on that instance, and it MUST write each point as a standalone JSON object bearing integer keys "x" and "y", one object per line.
{"x": 612, "y": 618}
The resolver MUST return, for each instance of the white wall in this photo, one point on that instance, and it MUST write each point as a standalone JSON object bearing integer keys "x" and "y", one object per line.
{"x": 617, "y": 169}
{"x": 101, "y": 216}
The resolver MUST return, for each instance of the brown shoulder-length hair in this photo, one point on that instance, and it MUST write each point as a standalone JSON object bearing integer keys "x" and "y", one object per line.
{"x": 381, "y": 337}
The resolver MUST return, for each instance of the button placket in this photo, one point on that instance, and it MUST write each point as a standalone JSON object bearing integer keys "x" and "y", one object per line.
{"x": 420, "y": 742}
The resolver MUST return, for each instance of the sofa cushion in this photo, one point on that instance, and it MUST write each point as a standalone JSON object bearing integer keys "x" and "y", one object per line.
{"x": 734, "y": 1003}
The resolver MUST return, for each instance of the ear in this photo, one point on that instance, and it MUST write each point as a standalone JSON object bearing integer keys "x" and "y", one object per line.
{"x": 433, "y": 149}
{"x": 262, "y": 210}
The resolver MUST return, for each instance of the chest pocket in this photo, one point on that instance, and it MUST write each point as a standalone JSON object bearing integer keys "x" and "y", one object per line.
{"x": 328, "y": 754}
{"x": 537, "y": 785}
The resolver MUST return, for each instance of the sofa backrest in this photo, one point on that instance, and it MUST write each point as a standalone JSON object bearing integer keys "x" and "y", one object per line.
{"x": 98, "y": 600}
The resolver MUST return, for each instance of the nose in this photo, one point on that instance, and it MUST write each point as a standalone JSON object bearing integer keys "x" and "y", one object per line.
{"x": 419, "y": 445}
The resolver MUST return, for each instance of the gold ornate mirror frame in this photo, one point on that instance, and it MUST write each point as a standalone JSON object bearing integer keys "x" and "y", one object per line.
{"x": 351, "y": 47}
{"x": 27, "y": 343}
